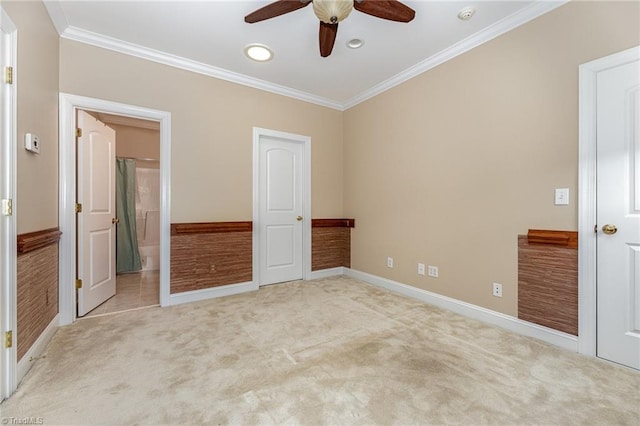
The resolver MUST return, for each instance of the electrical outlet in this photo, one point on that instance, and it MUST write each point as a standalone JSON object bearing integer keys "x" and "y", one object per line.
{"x": 420, "y": 268}
{"x": 389, "y": 262}
{"x": 432, "y": 271}
{"x": 497, "y": 290}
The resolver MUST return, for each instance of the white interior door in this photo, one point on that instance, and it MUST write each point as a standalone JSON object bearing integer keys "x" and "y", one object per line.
{"x": 96, "y": 228}
{"x": 280, "y": 210}
{"x": 618, "y": 214}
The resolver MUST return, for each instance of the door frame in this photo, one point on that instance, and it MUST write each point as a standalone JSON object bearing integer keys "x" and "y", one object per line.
{"x": 8, "y": 236}
{"x": 587, "y": 242}
{"x": 258, "y": 133}
{"x": 68, "y": 105}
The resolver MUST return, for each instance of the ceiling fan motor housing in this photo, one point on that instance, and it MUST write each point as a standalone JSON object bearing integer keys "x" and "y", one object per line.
{"x": 332, "y": 11}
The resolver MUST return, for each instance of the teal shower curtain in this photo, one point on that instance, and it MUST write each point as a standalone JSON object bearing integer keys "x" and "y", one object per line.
{"x": 127, "y": 254}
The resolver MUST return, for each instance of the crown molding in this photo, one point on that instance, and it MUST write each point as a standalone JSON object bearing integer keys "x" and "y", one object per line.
{"x": 57, "y": 15}
{"x": 120, "y": 46}
{"x": 506, "y": 24}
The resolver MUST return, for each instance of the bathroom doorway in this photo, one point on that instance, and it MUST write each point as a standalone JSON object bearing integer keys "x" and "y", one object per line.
{"x": 130, "y": 275}
{"x": 69, "y": 104}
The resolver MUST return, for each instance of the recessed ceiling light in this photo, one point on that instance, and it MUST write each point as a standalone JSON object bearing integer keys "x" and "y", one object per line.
{"x": 258, "y": 52}
{"x": 466, "y": 13}
{"x": 355, "y": 43}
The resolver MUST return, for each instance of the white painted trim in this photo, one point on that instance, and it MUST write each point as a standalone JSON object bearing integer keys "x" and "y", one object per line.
{"x": 587, "y": 238}
{"x": 8, "y": 249}
{"x": 326, "y": 273}
{"x": 507, "y": 24}
{"x": 68, "y": 104}
{"x": 211, "y": 293}
{"x": 57, "y": 15}
{"x": 515, "y": 20}
{"x": 306, "y": 198}
{"x": 488, "y": 316}
{"x": 37, "y": 348}
{"x": 120, "y": 46}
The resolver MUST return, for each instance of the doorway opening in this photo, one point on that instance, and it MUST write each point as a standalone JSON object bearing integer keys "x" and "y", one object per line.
{"x": 69, "y": 255}
{"x": 137, "y": 199}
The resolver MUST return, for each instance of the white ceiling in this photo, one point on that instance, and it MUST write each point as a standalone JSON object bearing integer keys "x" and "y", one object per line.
{"x": 209, "y": 37}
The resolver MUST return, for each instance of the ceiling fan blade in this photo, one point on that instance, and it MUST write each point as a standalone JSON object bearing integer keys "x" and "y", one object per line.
{"x": 392, "y": 10}
{"x": 277, "y": 8}
{"x": 328, "y": 34}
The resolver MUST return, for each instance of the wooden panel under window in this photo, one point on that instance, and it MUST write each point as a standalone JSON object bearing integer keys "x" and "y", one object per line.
{"x": 548, "y": 280}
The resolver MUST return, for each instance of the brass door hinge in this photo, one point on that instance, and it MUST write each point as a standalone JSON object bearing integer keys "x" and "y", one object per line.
{"x": 78, "y": 132}
{"x": 78, "y": 208}
{"x": 7, "y": 207}
{"x": 78, "y": 283}
{"x": 8, "y": 339}
{"x": 8, "y": 75}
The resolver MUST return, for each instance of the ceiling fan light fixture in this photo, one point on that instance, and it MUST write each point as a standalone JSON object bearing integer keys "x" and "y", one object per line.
{"x": 332, "y": 11}
{"x": 355, "y": 43}
{"x": 258, "y": 52}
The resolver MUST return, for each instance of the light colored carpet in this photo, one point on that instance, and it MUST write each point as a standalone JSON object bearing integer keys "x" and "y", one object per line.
{"x": 333, "y": 351}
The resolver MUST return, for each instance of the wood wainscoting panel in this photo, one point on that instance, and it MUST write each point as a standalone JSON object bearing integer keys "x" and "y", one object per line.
{"x": 555, "y": 238}
{"x": 331, "y": 243}
{"x": 213, "y": 254}
{"x": 210, "y": 255}
{"x": 210, "y": 227}
{"x": 333, "y": 223}
{"x": 35, "y": 240}
{"x": 548, "y": 283}
{"x": 37, "y": 276}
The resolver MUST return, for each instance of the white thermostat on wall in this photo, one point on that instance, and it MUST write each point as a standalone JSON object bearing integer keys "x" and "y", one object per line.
{"x": 32, "y": 143}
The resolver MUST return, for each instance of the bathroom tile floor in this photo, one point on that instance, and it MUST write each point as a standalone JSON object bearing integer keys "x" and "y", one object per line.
{"x": 136, "y": 290}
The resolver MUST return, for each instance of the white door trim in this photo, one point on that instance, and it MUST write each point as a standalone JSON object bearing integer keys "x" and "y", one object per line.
{"x": 306, "y": 199}
{"x": 587, "y": 282}
{"x": 67, "y": 197}
{"x": 9, "y": 254}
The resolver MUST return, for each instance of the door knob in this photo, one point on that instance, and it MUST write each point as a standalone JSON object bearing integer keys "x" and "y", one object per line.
{"x": 299, "y": 218}
{"x": 609, "y": 229}
{"x": 115, "y": 220}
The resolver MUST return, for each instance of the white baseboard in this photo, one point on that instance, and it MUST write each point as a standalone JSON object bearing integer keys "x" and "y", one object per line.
{"x": 325, "y": 273}
{"x": 525, "y": 328}
{"x": 210, "y": 293}
{"x": 231, "y": 289}
{"x": 38, "y": 347}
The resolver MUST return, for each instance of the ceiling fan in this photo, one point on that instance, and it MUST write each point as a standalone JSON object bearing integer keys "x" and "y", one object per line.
{"x": 331, "y": 12}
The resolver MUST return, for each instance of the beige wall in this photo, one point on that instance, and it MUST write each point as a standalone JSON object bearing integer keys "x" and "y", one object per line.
{"x": 448, "y": 168}
{"x": 212, "y": 123}
{"x": 37, "y": 80}
{"x": 137, "y": 142}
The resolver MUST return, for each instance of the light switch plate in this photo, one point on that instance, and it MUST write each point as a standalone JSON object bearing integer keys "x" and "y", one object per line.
{"x": 562, "y": 196}
{"x": 32, "y": 143}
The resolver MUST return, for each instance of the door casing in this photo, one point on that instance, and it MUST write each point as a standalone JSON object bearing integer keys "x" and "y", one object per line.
{"x": 258, "y": 133}
{"x": 587, "y": 244}
{"x": 8, "y": 228}
{"x": 68, "y": 104}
